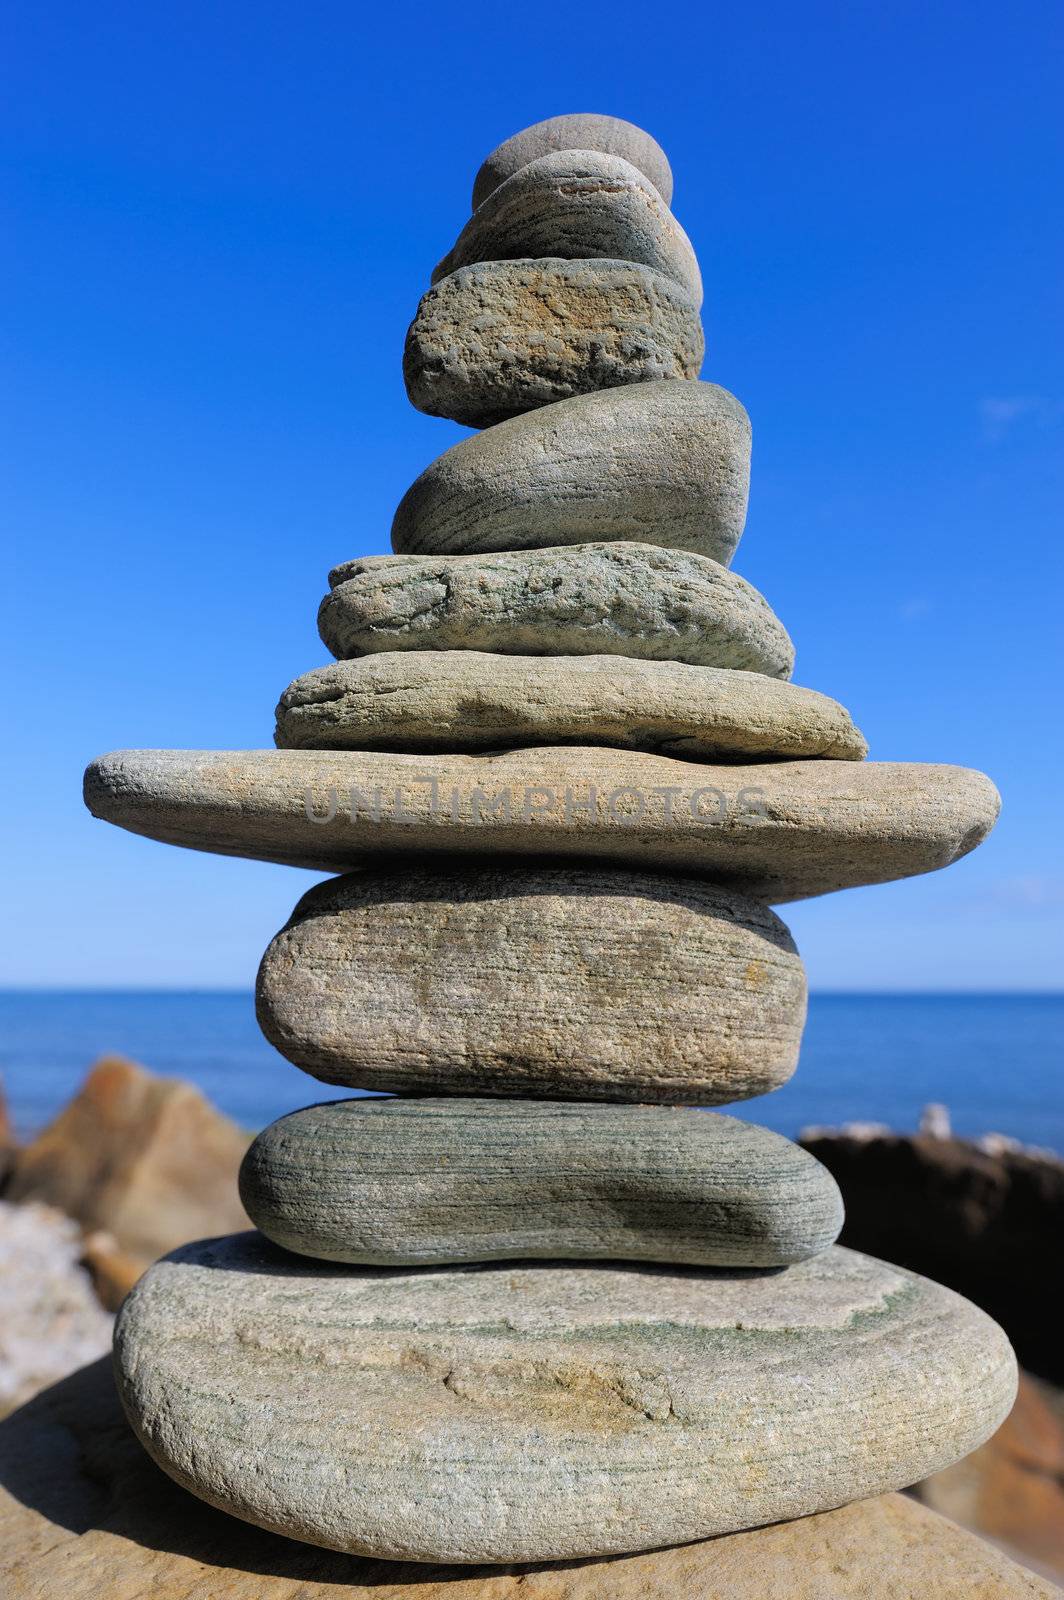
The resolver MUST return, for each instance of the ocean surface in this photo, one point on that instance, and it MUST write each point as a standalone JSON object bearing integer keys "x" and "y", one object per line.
{"x": 996, "y": 1061}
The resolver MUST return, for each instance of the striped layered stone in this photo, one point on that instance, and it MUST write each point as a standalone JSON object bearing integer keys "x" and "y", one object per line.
{"x": 663, "y": 463}
{"x": 535, "y": 1412}
{"x": 422, "y": 1182}
{"x": 552, "y": 982}
{"x": 577, "y": 204}
{"x": 581, "y": 130}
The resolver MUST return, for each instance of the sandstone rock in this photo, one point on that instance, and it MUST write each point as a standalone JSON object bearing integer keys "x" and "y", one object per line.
{"x": 420, "y": 1182}
{"x": 522, "y": 1413}
{"x": 661, "y": 463}
{"x": 52, "y": 1321}
{"x": 571, "y": 983}
{"x": 620, "y": 599}
{"x": 147, "y": 1159}
{"x": 501, "y": 337}
{"x": 1011, "y": 1489}
{"x": 87, "y": 1516}
{"x": 468, "y": 700}
{"x": 983, "y": 1222}
{"x": 578, "y": 204}
{"x": 777, "y": 830}
{"x": 7, "y": 1140}
{"x": 113, "y": 1270}
{"x": 581, "y": 130}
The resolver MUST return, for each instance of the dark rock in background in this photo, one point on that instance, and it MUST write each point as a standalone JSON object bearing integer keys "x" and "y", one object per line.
{"x": 984, "y": 1218}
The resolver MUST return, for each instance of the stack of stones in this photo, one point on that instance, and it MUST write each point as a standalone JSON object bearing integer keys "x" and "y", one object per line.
{"x": 534, "y": 1305}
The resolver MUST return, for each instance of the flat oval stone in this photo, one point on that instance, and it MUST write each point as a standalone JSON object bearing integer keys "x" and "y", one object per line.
{"x": 662, "y": 463}
{"x": 581, "y": 130}
{"x": 578, "y": 204}
{"x": 779, "y": 830}
{"x": 619, "y": 599}
{"x": 421, "y": 1182}
{"x": 468, "y": 700}
{"x": 567, "y": 983}
{"x": 526, "y": 1412}
{"x": 119, "y": 1530}
{"x": 501, "y": 337}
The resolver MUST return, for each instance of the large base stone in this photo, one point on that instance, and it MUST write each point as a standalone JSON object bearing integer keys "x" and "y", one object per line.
{"x": 86, "y": 1516}
{"x": 425, "y": 1182}
{"x": 776, "y": 830}
{"x": 522, "y": 1413}
{"x": 557, "y": 982}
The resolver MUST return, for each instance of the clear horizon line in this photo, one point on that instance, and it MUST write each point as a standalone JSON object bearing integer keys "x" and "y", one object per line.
{"x": 826, "y": 991}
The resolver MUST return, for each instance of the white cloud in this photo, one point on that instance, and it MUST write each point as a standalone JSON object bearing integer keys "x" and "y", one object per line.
{"x": 1001, "y": 413}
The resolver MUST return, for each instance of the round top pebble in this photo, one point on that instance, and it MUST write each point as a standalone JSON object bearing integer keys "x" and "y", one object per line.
{"x": 580, "y": 130}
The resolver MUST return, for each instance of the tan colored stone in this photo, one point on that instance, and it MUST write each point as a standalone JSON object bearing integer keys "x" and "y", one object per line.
{"x": 779, "y": 830}
{"x": 618, "y": 599}
{"x": 1011, "y": 1489}
{"x": 570, "y": 982}
{"x": 577, "y": 204}
{"x": 663, "y": 464}
{"x": 146, "y": 1159}
{"x": 448, "y": 700}
{"x": 84, "y": 1515}
{"x": 581, "y": 130}
{"x": 501, "y": 337}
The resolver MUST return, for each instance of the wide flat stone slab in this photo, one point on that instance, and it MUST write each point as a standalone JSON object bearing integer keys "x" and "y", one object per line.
{"x": 577, "y": 204}
{"x": 450, "y": 700}
{"x": 85, "y": 1515}
{"x": 424, "y": 1182}
{"x": 662, "y": 463}
{"x": 526, "y": 1413}
{"x": 582, "y": 130}
{"x": 620, "y": 599}
{"x": 557, "y": 982}
{"x": 777, "y": 830}
{"x": 502, "y": 337}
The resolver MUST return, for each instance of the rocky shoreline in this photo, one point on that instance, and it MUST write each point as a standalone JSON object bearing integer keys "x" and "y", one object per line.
{"x": 136, "y": 1165}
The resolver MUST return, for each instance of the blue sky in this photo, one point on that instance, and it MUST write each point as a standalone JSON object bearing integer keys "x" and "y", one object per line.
{"x": 220, "y": 221}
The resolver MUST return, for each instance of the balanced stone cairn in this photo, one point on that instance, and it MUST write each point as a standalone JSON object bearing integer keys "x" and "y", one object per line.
{"x": 534, "y": 1305}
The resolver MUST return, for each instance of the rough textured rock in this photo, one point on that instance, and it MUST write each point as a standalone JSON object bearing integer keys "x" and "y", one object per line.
{"x": 661, "y": 463}
{"x": 468, "y": 700}
{"x": 420, "y": 1182}
{"x": 571, "y": 983}
{"x": 1011, "y": 1489}
{"x": 147, "y": 1159}
{"x": 52, "y": 1321}
{"x": 522, "y": 1413}
{"x": 7, "y": 1140}
{"x": 578, "y": 204}
{"x": 501, "y": 337}
{"x": 84, "y": 1514}
{"x": 580, "y": 130}
{"x": 982, "y": 1220}
{"x": 620, "y": 599}
{"x": 777, "y": 830}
